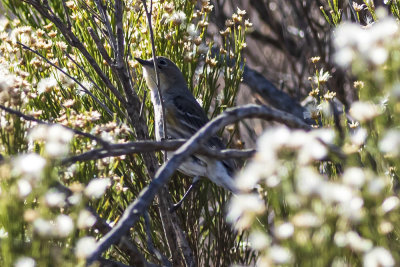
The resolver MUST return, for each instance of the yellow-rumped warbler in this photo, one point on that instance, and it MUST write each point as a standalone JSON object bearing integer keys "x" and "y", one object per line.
{"x": 184, "y": 117}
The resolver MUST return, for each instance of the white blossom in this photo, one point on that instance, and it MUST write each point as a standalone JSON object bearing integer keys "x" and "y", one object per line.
{"x": 243, "y": 208}
{"x": 284, "y": 230}
{"x": 24, "y": 188}
{"x": 280, "y": 255}
{"x": 359, "y": 136}
{"x": 97, "y": 187}
{"x": 368, "y": 44}
{"x": 56, "y": 138}
{"x": 357, "y": 243}
{"x": 364, "y": 111}
{"x": 29, "y": 166}
{"x": 378, "y": 257}
{"x": 390, "y": 204}
{"x": 306, "y": 219}
{"x": 84, "y": 247}
{"x": 390, "y": 143}
{"x": 25, "y": 262}
{"x": 85, "y": 219}
{"x": 43, "y": 227}
{"x": 64, "y": 225}
{"x": 54, "y": 198}
{"x": 259, "y": 240}
{"x": 354, "y": 177}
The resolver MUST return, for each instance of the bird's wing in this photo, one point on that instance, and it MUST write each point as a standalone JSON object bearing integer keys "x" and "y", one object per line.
{"x": 192, "y": 118}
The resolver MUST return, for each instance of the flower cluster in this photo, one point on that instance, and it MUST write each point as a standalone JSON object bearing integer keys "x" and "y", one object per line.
{"x": 335, "y": 188}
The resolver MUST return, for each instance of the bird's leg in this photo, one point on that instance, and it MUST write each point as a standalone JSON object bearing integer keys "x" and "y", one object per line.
{"x": 191, "y": 187}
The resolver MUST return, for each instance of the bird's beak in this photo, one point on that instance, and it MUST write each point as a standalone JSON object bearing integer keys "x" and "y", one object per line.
{"x": 145, "y": 63}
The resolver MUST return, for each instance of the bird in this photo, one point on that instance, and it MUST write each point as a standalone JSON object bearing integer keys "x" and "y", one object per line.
{"x": 184, "y": 117}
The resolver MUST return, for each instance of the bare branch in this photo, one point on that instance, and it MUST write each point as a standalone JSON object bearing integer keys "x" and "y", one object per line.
{"x": 115, "y": 150}
{"x": 136, "y": 209}
{"x": 158, "y": 103}
{"x": 275, "y": 97}
{"x": 100, "y": 46}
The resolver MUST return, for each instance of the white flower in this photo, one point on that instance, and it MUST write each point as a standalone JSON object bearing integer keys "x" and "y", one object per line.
{"x": 353, "y": 209}
{"x": 354, "y": 177}
{"x": 243, "y": 208}
{"x": 56, "y": 137}
{"x": 249, "y": 177}
{"x": 378, "y": 257}
{"x": 308, "y": 181}
{"x": 284, "y": 230}
{"x": 178, "y": 17}
{"x": 358, "y": 243}
{"x": 24, "y": 188}
{"x": 364, "y": 111}
{"x": 3, "y": 233}
{"x": 327, "y": 135}
{"x": 280, "y": 255}
{"x": 192, "y": 31}
{"x": 390, "y": 204}
{"x": 335, "y": 193}
{"x": 25, "y": 262}
{"x": 306, "y": 219}
{"x": 64, "y": 225}
{"x": 311, "y": 150}
{"x": 359, "y": 136}
{"x": 85, "y": 246}
{"x": 97, "y": 187}
{"x": 368, "y": 44}
{"x": 42, "y": 227}
{"x": 54, "y": 198}
{"x": 259, "y": 240}
{"x": 274, "y": 138}
{"x": 29, "y": 166}
{"x": 340, "y": 239}
{"x": 391, "y": 143}
{"x": 85, "y": 219}
{"x": 46, "y": 84}
{"x": 376, "y": 185}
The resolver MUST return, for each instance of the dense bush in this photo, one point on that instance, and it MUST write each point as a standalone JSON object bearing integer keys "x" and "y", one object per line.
{"x": 69, "y": 84}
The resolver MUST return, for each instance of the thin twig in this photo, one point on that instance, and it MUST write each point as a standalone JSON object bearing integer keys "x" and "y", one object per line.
{"x": 136, "y": 209}
{"x": 66, "y": 15}
{"x": 100, "y": 46}
{"x": 115, "y": 150}
{"x": 150, "y": 245}
{"x": 107, "y": 24}
{"x": 97, "y": 86}
{"x": 69, "y": 76}
{"x": 158, "y": 107}
{"x": 31, "y": 118}
{"x": 71, "y": 38}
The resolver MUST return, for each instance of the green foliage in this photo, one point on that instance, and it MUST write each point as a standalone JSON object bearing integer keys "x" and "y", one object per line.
{"x": 33, "y": 86}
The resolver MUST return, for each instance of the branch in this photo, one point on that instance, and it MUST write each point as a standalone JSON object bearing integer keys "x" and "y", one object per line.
{"x": 74, "y": 42}
{"x": 139, "y": 206}
{"x": 115, "y": 150}
{"x": 275, "y": 97}
{"x": 30, "y": 118}
{"x": 158, "y": 103}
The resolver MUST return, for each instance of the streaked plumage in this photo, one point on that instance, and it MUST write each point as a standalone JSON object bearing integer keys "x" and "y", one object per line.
{"x": 184, "y": 117}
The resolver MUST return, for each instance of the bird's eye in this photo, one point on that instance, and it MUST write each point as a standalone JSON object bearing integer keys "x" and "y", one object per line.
{"x": 162, "y": 63}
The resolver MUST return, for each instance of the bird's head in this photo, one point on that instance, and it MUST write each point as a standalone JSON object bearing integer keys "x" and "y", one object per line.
{"x": 170, "y": 74}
